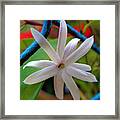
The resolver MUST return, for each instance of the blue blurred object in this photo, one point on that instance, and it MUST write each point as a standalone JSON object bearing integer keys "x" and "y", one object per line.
{"x": 96, "y": 97}
{"x": 45, "y": 31}
{"x": 66, "y": 90}
{"x": 77, "y": 34}
{"x": 34, "y": 46}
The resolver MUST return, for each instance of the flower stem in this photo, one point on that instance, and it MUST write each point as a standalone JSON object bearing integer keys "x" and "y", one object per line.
{"x": 83, "y": 96}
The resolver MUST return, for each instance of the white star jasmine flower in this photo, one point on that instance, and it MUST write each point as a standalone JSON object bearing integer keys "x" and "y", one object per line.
{"x": 63, "y": 65}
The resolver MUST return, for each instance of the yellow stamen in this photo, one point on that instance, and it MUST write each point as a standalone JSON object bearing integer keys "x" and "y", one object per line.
{"x": 61, "y": 66}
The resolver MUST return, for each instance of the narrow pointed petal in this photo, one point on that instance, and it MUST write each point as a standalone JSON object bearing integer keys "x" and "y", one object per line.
{"x": 82, "y": 75}
{"x": 39, "y": 64}
{"x": 71, "y": 47}
{"x": 83, "y": 67}
{"x": 41, "y": 75}
{"x": 71, "y": 85}
{"x": 81, "y": 51}
{"x": 58, "y": 86}
{"x": 62, "y": 38}
{"x": 42, "y": 41}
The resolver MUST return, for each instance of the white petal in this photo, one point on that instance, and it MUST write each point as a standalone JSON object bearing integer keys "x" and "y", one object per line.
{"x": 41, "y": 75}
{"x": 81, "y": 51}
{"x": 83, "y": 67}
{"x": 42, "y": 41}
{"x": 71, "y": 85}
{"x": 71, "y": 47}
{"x": 62, "y": 38}
{"x": 58, "y": 86}
{"x": 39, "y": 64}
{"x": 82, "y": 75}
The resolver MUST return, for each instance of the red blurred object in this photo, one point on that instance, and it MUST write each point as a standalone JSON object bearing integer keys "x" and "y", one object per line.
{"x": 25, "y": 35}
{"x": 54, "y": 31}
{"x": 77, "y": 28}
{"x": 80, "y": 28}
{"x": 88, "y": 32}
{"x": 28, "y": 34}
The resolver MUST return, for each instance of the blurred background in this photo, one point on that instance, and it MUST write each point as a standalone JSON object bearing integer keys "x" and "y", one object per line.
{"x": 44, "y": 90}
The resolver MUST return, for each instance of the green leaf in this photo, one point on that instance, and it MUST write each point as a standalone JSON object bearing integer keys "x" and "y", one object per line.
{"x": 30, "y": 92}
{"x": 90, "y": 89}
{"x": 95, "y": 26}
{"x": 25, "y": 43}
{"x": 76, "y": 22}
{"x": 25, "y": 28}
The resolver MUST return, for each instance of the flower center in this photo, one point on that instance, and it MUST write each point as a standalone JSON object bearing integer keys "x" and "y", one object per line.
{"x": 61, "y": 66}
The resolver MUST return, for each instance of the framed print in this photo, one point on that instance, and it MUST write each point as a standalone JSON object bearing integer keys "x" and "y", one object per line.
{"x": 60, "y": 60}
